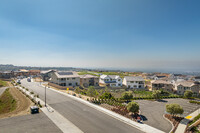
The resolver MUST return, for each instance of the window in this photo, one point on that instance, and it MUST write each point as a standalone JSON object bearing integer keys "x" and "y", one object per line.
{"x": 73, "y": 78}
{"x": 67, "y": 78}
{"x": 62, "y": 79}
{"x": 70, "y": 84}
{"x": 131, "y": 81}
{"x": 119, "y": 84}
{"x": 119, "y": 79}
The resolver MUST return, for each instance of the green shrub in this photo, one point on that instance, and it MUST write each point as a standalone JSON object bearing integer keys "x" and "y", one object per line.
{"x": 196, "y": 102}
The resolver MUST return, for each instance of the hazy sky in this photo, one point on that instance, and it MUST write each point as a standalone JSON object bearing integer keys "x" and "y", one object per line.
{"x": 101, "y": 33}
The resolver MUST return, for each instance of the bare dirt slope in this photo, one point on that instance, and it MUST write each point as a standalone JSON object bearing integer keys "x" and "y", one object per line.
{"x": 23, "y": 103}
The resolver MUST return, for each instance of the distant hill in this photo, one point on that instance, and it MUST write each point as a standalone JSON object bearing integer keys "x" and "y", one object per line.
{"x": 9, "y": 67}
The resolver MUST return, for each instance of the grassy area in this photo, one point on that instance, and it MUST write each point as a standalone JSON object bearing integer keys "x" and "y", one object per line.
{"x": 7, "y": 102}
{"x": 195, "y": 119}
{"x": 121, "y": 74}
{"x": 85, "y": 72}
{"x": 3, "y": 83}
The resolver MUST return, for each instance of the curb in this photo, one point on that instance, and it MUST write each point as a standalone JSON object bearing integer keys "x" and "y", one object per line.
{"x": 169, "y": 122}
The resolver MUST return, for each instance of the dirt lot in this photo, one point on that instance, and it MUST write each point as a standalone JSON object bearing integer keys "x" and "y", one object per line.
{"x": 23, "y": 103}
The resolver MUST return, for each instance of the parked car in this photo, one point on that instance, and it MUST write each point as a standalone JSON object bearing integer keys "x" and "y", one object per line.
{"x": 29, "y": 79}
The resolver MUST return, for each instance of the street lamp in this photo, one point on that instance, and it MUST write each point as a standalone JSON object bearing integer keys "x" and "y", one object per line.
{"x": 45, "y": 96}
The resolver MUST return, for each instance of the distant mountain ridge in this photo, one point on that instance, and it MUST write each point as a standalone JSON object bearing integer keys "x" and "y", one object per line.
{"x": 10, "y": 67}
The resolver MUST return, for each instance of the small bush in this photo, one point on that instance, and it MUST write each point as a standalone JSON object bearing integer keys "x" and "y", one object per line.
{"x": 196, "y": 102}
{"x": 32, "y": 92}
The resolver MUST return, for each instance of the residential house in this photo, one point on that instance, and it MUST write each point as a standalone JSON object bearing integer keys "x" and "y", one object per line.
{"x": 110, "y": 80}
{"x": 89, "y": 80}
{"x": 181, "y": 87}
{"x": 134, "y": 82}
{"x": 46, "y": 75}
{"x": 34, "y": 72}
{"x": 21, "y": 73}
{"x": 197, "y": 78}
{"x": 162, "y": 84}
{"x": 6, "y": 74}
{"x": 66, "y": 78}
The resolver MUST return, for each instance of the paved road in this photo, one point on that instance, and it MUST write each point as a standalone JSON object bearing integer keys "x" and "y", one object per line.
{"x": 87, "y": 119}
{"x": 154, "y": 110}
{"x": 37, "y": 123}
{"x": 2, "y": 89}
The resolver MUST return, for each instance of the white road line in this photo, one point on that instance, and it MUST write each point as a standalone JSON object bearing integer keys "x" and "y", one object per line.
{"x": 62, "y": 123}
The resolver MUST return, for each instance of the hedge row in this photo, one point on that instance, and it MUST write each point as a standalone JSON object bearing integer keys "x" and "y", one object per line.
{"x": 196, "y": 102}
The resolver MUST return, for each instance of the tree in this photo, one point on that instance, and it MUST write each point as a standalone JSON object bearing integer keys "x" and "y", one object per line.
{"x": 92, "y": 92}
{"x": 156, "y": 94}
{"x": 133, "y": 107}
{"x": 188, "y": 93}
{"x": 107, "y": 95}
{"x": 174, "y": 109}
{"x": 77, "y": 90}
{"x": 127, "y": 96}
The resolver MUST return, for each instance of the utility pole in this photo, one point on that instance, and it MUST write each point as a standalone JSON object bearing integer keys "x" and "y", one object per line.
{"x": 45, "y": 96}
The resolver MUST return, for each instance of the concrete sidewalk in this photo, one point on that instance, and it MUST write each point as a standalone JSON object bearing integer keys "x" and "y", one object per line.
{"x": 183, "y": 124}
{"x": 2, "y": 89}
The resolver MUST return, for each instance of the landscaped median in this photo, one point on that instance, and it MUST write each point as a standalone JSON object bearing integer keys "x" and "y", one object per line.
{"x": 33, "y": 97}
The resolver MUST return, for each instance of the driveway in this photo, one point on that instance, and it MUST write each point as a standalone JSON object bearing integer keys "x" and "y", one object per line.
{"x": 153, "y": 112}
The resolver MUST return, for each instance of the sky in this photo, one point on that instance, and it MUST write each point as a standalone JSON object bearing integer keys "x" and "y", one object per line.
{"x": 134, "y": 34}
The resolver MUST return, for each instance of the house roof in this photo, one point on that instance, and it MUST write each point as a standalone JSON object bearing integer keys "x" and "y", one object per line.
{"x": 160, "y": 82}
{"x": 185, "y": 83}
{"x": 134, "y": 78}
{"x": 66, "y": 74}
{"x": 47, "y": 71}
{"x": 110, "y": 76}
{"x": 88, "y": 76}
{"x": 38, "y": 71}
{"x": 23, "y": 70}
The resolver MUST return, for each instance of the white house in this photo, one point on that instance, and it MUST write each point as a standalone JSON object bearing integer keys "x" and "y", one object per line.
{"x": 110, "y": 80}
{"x": 134, "y": 82}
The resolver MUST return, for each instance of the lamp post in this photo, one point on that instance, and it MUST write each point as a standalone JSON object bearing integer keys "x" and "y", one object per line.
{"x": 45, "y": 96}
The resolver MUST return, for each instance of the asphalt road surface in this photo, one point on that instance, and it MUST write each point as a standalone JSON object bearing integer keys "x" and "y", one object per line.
{"x": 37, "y": 123}
{"x": 86, "y": 118}
{"x": 153, "y": 111}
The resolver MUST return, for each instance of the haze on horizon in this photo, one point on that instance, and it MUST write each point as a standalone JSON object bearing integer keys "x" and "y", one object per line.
{"x": 151, "y": 34}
